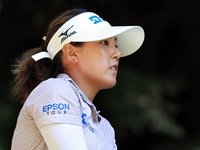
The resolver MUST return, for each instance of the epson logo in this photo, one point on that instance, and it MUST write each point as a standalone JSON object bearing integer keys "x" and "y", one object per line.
{"x": 66, "y": 35}
{"x": 55, "y": 106}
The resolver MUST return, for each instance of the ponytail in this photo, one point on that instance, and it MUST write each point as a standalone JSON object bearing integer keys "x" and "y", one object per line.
{"x": 28, "y": 74}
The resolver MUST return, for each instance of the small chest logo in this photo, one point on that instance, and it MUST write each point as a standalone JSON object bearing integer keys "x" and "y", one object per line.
{"x": 86, "y": 123}
{"x": 66, "y": 34}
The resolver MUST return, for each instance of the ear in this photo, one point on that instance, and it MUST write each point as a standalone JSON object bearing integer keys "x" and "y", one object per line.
{"x": 70, "y": 53}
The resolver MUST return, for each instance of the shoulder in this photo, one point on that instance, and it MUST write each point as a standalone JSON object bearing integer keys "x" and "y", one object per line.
{"x": 53, "y": 89}
{"x": 55, "y": 86}
{"x": 53, "y": 97}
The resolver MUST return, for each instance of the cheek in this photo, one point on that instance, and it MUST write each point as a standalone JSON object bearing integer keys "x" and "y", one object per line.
{"x": 98, "y": 65}
{"x": 95, "y": 59}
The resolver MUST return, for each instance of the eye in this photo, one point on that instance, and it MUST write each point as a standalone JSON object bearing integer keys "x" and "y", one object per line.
{"x": 105, "y": 42}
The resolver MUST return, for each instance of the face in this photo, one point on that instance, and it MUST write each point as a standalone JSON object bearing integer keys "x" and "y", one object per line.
{"x": 98, "y": 62}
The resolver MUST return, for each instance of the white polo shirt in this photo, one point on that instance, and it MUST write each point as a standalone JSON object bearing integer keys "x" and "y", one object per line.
{"x": 59, "y": 100}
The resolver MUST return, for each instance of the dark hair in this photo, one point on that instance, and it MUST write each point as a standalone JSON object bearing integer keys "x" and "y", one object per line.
{"x": 29, "y": 73}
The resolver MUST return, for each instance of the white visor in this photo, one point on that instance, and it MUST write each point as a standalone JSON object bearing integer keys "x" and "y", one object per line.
{"x": 88, "y": 26}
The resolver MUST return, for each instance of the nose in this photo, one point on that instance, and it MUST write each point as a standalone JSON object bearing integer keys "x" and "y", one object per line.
{"x": 116, "y": 54}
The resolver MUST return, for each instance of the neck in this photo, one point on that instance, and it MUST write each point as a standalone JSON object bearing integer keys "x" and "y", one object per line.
{"x": 86, "y": 87}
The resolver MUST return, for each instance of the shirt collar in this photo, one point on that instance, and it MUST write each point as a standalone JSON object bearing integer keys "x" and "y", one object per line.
{"x": 95, "y": 114}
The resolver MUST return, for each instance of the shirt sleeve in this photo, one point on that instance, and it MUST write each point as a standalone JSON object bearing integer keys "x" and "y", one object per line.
{"x": 54, "y": 101}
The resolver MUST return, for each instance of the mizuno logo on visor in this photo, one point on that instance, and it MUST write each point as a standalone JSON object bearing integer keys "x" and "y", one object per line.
{"x": 66, "y": 35}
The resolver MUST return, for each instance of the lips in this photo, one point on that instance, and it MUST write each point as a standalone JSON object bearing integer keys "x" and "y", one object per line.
{"x": 114, "y": 67}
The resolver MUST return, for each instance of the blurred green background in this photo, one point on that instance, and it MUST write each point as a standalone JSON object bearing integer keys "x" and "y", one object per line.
{"x": 156, "y": 102}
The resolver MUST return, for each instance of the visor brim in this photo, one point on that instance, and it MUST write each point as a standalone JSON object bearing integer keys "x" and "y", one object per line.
{"x": 129, "y": 38}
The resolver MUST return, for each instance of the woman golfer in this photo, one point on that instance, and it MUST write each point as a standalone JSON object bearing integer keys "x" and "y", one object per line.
{"x": 58, "y": 111}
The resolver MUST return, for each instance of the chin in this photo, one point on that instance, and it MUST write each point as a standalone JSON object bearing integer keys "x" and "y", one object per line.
{"x": 110, "y": 84}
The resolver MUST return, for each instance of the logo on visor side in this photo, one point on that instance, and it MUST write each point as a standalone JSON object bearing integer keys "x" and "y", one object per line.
{"x": 95, "y": 19}
{"x": 66, "y": 35}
